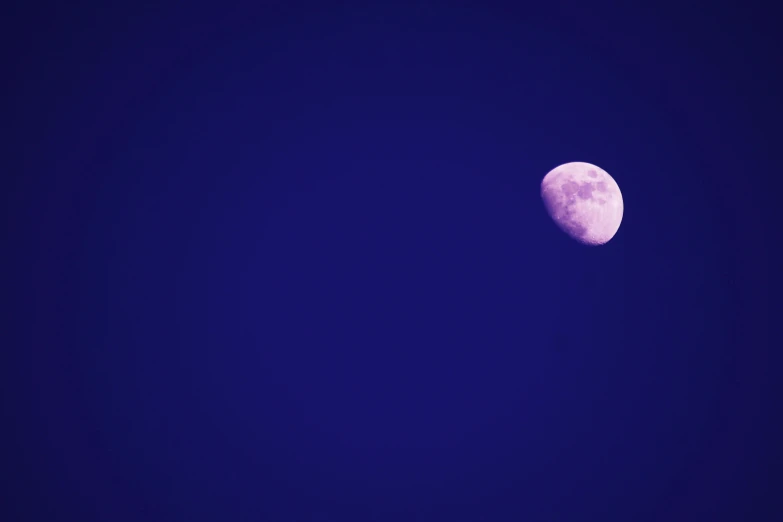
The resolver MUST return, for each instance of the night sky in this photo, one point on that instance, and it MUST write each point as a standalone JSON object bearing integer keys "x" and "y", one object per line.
{"x": 280, "y": 261}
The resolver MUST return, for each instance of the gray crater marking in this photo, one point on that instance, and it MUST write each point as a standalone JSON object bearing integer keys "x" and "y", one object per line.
{"x": 586, "y": 191}
{"x": 570, "y": 188}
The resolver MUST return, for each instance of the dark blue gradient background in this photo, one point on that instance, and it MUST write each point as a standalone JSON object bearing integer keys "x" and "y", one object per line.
{"x": 288, "y": 262}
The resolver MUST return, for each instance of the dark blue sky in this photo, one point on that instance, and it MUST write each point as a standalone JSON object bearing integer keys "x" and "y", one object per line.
{"x": 288, "y": 262}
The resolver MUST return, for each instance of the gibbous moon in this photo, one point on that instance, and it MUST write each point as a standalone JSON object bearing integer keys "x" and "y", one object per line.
{"x": 584, "y": 201}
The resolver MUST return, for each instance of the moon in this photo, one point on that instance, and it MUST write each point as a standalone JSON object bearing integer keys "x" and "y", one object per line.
{"x": 584, "y": 201}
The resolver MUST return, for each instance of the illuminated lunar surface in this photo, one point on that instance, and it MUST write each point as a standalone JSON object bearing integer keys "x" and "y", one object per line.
{"x": 584, "y": 201}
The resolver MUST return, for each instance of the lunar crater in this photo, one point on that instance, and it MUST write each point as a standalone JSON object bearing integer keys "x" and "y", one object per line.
{"x": 570, "y": 188}
{"x": 586, "y": 191}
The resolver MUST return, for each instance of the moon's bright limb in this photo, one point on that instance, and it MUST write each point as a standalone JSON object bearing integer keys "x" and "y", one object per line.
{"x": 584, "y": 201}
